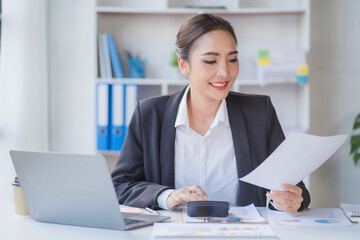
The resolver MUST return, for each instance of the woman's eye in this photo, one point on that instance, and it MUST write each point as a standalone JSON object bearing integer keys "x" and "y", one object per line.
{"x": 233, "y": 60}
{"x": 209, "y": 62}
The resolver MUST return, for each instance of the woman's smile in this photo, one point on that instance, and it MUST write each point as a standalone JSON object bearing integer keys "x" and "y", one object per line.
{"x": 219, "y": 85}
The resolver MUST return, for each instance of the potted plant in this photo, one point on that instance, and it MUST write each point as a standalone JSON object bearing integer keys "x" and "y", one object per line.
{"x": 174, "y": 59}
{"x": 355, "y": 141}
{"x": 174, "y": 63}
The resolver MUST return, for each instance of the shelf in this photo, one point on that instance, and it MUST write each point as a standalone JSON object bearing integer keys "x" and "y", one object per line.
{"x": 276, "y": 25}
{"x": 139, "y": 81}
{"x": 190, "y": 11}
{"x": 109, "y": 153}
{"x": 174, "y": 82}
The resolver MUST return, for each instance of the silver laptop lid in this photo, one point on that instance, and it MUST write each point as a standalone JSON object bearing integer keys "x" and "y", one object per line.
{"x": 68, "y": 189}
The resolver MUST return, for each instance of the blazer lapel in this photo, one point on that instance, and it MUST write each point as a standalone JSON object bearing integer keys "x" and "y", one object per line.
{"x": 240, "y": 137}
{"x": 241, "y": 147}
{"x": 167, "y": 142}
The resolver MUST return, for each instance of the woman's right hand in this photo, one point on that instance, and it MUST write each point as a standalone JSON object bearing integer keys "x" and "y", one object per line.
{"x": 180, "y": 196}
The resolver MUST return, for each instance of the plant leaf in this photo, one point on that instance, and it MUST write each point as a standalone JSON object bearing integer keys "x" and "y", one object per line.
{"x": 174, "y": 59}
{"x": 357, "y": 122}
{"x": 356, "y": 125}
{"x": 356, "y": 158}
{"x": 355, "y": 143}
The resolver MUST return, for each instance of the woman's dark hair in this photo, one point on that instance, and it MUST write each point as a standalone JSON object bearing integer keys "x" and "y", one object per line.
{"x": 195, "y": 27}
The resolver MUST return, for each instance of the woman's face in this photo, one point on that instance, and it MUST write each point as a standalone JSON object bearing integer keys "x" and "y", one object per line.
{"x": 212, "y": 66}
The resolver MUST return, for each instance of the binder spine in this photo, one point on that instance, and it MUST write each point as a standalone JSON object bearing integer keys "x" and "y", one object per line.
{"x": 131, "y": 99}
{"x": 115, "y": 61}
{"x": 117, "y": 126}
{"x": 102, "y": 116}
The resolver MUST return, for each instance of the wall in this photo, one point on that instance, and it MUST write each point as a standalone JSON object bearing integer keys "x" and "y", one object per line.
{"x": 72, "y": 68}
{"x": 334, "y": 95}
{"x": 23, "y": 84}
{"x": 48, "y": 64}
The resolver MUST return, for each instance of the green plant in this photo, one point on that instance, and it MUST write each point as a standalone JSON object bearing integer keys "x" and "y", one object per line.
{"x": 174, "y": 59}
{"x": 355, "y": 141}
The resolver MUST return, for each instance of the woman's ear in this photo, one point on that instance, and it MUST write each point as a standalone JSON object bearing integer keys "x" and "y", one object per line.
{"x": 183, "y": 66}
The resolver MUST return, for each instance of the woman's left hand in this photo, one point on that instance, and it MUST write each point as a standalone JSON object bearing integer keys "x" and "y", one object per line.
{"x": 289, "y": 200}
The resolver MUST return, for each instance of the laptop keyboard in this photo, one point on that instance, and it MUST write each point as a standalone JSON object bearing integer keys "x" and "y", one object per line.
{"x": 129, "y": 221}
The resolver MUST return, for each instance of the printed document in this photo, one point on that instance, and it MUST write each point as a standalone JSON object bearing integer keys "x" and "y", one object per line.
{"x": 326, "y": 217}
{"x": 211, "y": 230}
{"x": 295, "y": 158}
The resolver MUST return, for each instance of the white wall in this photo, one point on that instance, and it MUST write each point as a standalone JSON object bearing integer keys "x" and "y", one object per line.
{"x": 48, "y": 64}
{"x": 23, "y": 84}
{"x": 72, "y": 71}
{"x": 335, "y": 95}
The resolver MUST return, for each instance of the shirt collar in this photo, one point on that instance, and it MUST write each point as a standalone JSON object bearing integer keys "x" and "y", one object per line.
{"x": 221, "y": 115}
{"x": 182, "y": 114}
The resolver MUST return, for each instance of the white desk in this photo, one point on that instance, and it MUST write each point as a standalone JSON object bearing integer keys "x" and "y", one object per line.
{"x": 17, "y": 227}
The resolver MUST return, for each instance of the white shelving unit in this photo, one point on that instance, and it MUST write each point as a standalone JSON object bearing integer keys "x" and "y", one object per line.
{"x": 148, "y": 29}
{"x": 125, "y": 10}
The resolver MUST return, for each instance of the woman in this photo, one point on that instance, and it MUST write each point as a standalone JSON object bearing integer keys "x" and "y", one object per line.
{"x": 195, "y": 144}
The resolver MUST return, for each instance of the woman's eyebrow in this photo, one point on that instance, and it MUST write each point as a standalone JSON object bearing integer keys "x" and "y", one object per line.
{"x": 210, "y": 53}
{"x": 218, "y": 54}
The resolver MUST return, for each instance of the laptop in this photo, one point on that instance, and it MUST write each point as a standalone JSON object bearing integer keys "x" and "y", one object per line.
{"x": 73, "y": 189}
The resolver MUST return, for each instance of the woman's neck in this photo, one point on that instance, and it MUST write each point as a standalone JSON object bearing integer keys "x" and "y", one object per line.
{"x": 201, "y": 113}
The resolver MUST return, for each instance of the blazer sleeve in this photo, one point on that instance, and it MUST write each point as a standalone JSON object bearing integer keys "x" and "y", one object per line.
{"x": 131, "y": 185}
{"x": 275, "y": 137}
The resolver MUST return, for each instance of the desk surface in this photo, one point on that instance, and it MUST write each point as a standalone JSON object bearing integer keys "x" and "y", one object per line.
{"x": 18, "y": 227}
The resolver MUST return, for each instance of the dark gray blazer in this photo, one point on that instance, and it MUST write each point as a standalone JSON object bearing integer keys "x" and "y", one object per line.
{"x": 146, "y": 164}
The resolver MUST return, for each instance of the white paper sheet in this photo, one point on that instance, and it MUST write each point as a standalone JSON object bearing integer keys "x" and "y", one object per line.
{"x": 247, "y": 214}
{"x": 326, "y": 217}
{"x": 211, "y": 230}
{"x": 295, "y": 158}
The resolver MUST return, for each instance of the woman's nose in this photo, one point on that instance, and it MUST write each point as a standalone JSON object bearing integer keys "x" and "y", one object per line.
{"x": 223, "y": 70}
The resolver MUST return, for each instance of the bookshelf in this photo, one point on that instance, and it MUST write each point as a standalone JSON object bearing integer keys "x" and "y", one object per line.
{"x": 148, "y": 29}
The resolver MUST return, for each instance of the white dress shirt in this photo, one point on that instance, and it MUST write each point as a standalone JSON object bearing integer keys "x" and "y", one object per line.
{"x": 208, "y": 161}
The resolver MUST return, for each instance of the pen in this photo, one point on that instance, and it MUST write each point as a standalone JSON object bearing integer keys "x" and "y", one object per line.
{"x": 153, "y": 211}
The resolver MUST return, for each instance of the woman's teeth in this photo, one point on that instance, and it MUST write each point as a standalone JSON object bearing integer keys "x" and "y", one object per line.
{"x": 218, "y": 84}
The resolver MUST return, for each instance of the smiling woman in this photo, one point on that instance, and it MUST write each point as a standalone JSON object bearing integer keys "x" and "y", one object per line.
{"x": 197, "y": 143}
{"x": 212, "y": 71}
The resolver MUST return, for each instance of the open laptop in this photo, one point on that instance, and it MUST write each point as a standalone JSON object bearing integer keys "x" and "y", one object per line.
{"x": 73, "y": 189}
